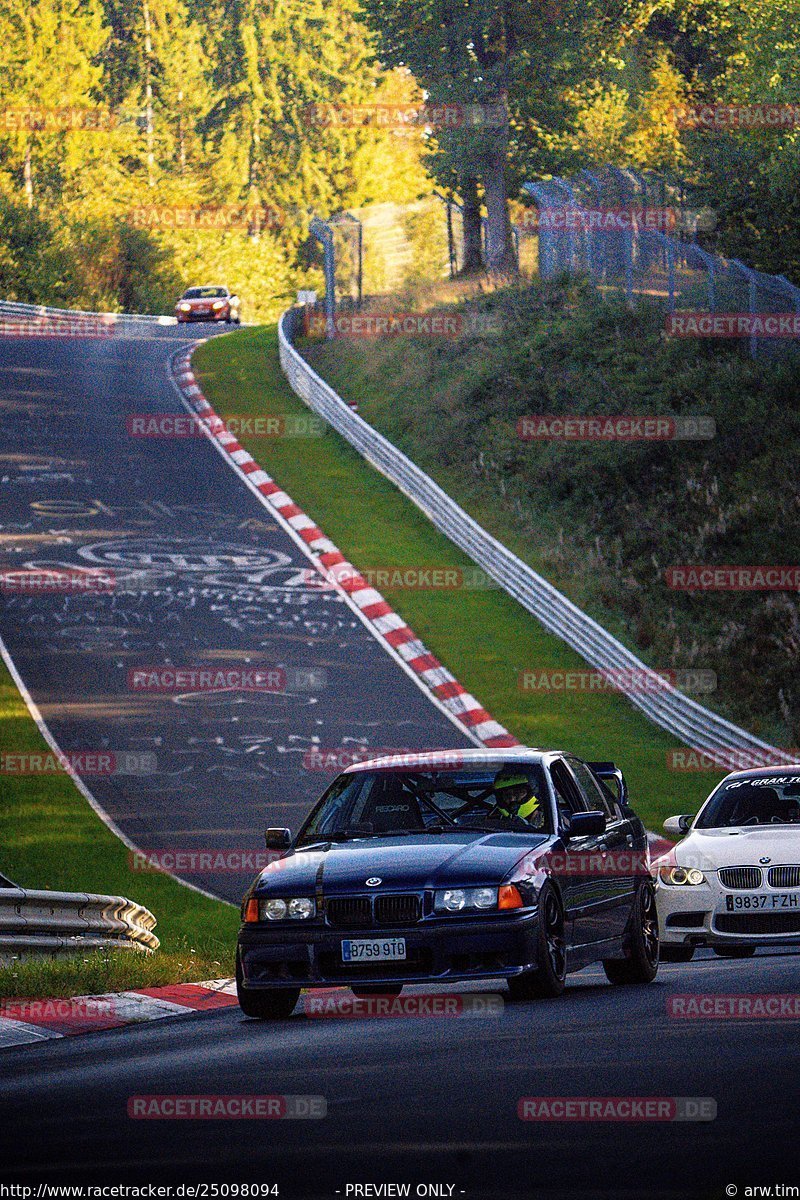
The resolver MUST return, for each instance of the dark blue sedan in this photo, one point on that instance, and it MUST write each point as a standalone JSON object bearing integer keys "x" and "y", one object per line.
{"x": 453, "y": 865}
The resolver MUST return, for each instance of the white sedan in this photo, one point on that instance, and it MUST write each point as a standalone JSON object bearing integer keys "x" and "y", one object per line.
{"x": 733, "y": 883}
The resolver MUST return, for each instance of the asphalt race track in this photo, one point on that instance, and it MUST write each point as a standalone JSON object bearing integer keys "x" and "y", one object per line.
{"x": 204, "y": 575}
{"x": 428, "y": 1099}
{"x": 200, "y": 575}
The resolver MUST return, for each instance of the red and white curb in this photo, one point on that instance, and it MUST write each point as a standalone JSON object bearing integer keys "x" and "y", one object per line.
{"x": 386, "y": 625}
{"x": 26, "y": 1021}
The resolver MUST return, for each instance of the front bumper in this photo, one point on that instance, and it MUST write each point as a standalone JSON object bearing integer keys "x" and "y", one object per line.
{"x": 188, "y": 318}
{"x": 697, "y": 916}
{"x": 437, "y": 950}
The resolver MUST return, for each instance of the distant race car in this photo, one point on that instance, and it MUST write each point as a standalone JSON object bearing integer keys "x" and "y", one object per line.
{"x": 734, "y": 882}
{"x": 211, "y": 302}
{"x": 452, "y": 865}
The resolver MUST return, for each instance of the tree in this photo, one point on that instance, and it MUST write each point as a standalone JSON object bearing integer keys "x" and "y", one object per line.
{"x": 41, "y": 157}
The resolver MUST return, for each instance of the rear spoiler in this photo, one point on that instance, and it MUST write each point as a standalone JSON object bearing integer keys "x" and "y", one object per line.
{"x": 608, "y": 771}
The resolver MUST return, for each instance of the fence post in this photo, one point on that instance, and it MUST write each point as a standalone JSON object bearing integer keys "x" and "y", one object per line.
{"x": 751, "y": 293}
{"x": 671, "y": 273}
{"x": 324, "y": 234}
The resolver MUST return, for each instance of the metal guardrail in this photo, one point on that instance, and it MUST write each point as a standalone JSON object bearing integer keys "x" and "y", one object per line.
{"x": 12, "y": 309}
{"x": 35, "y": 922}
{"x": 697, "y": 727}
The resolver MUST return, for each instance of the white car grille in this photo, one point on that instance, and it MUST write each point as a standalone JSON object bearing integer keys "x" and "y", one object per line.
{"x": 784, "y": 877}
{"x": 740, "y": 877}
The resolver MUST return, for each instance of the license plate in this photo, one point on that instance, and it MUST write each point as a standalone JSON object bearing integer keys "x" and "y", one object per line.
{"x": 763, "y": 902}
{"x": 373, "y": 949}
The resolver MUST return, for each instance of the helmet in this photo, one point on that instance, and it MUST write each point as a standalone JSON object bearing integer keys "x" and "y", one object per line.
{"x": 507, "y": 783}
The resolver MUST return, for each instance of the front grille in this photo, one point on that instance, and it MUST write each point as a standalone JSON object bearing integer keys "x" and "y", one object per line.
{"x": 397, "y": 910}
{"x": 784, "y": 877}
{"x": 740, "y": 877}
{"x": 349, "y": 912}
{"x": 368, "y": 912}
{"x": 756, "y": 923}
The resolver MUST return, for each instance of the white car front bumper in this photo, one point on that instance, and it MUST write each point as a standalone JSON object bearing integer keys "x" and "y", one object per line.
{"x": 710, "y": 914}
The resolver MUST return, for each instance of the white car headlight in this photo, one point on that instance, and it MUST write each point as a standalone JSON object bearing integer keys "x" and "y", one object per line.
{"x": 218, "y": 304}
{"x": 681, "y": 876}
{"x": 185, "y": 307}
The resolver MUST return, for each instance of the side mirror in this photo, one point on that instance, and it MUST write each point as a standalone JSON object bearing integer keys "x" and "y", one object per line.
{"x": 587, "y": 824}
{"x": 278, "y": 839}
{"x": 678, "y": 825}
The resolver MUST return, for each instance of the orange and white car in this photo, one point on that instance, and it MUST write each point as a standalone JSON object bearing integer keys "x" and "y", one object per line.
{"x": 208, "y": 302}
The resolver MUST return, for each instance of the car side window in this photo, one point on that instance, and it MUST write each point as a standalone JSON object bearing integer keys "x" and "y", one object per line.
{"x": 568, "y": 797}
{"x": 596, "y": 799}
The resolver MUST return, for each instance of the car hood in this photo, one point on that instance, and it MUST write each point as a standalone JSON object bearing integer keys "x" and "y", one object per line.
{"x": 438, "y": 860}
{"x": 740, "y": 847}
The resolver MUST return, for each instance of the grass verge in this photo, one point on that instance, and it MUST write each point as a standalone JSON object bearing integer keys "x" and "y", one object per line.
{"x": 483, "y": 636}
{"x": 50, "y": 838}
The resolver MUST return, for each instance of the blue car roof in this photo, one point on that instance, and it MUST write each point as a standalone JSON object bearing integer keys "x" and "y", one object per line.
{"x": 449, "y": 759}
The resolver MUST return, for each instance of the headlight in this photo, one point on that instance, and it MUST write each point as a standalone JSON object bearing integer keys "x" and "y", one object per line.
{"x": 681, "y": 876}
{"x": 218, "y": 304}
{"x": 299, "y": 908}
{"x": 185, "y": 307}
{"x": 453, "y": 900}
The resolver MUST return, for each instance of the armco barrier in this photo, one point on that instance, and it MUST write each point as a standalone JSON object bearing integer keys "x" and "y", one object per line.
{"x": 11, "y": 310}
{"x": 668, "y": 708}
{"x": 33, "y": 922}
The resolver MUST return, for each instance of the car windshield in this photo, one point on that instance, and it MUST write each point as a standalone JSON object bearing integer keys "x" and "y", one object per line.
{"x": 205, "y": 293}
{"x": 404, "y": 802}
{"x": 767, "y": 800}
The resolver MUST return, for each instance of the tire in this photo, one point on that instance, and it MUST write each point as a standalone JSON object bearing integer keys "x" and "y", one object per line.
{"x": 547, "y": 980}
{"x": 641, "y": 963}
{"x": 677, "y": 954}
{"x": 266, "y": 1004}
{"x": 734, "y": 951}
{"x": 377, "y": 989}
